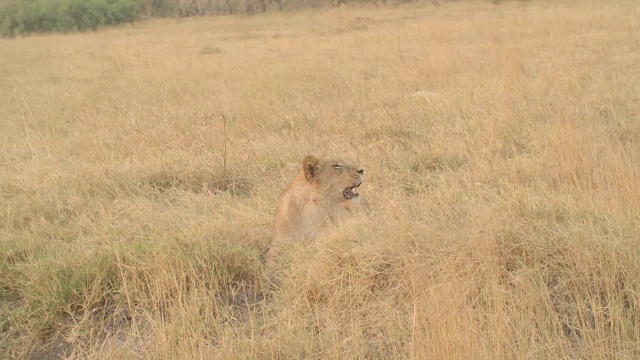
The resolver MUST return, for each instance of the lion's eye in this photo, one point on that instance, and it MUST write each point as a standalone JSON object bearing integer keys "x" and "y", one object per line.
{"x": 337, "y": 166}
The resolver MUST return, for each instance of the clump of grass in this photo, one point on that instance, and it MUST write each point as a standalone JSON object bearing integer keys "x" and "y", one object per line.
{"x": 199, "y": 182}
{"x": 210, "y": 50}
{"x": 434, "y": 164}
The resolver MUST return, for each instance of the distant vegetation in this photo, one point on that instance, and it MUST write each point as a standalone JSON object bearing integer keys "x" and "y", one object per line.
{"x": 224, "y": 7}
{"x": 20, "y": 17}
{"x": 36, "y": 16}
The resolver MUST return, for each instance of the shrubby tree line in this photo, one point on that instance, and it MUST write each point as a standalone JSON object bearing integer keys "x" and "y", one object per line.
{"x": 223, "y": 7}
{"x": 184, "y": 8}
{"x": 19, "y": 17}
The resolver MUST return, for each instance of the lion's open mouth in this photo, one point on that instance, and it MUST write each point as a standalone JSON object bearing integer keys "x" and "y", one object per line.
{"x": 349, "y": 194}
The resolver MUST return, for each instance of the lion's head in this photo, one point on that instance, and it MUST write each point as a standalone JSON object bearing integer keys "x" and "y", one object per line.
{"x": 333, "y": 178}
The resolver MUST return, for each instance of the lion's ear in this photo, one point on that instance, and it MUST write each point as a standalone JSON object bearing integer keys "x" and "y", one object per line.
{"x": 311, "y": 167}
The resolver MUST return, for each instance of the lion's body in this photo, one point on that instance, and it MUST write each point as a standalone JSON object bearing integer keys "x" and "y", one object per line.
{"x": 321, "y": 194}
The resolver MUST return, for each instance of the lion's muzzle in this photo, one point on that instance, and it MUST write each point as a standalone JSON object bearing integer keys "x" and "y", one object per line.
{"x": 349, "y": 194}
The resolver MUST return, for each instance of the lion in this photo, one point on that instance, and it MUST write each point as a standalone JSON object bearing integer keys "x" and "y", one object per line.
{"x": 322, "y": 193}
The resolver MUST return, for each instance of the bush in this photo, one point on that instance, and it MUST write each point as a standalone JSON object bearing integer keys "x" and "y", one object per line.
{"x": 35, "y": 16}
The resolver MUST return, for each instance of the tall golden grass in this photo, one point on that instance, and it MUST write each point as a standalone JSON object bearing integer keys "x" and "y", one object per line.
{"x": 502, "y": 153}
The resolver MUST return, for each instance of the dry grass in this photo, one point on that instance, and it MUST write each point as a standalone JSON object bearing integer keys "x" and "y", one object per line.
{"x": 502, "y": 152}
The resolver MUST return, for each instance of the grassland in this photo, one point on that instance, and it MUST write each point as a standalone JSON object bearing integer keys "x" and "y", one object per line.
{"x": 501, "y": 145}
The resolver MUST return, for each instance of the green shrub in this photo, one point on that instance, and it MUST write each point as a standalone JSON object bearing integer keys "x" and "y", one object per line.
{"x": 20, "y": 17}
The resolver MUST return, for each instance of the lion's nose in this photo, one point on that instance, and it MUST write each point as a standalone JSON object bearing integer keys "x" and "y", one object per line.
{"x": 361, "y": 171}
